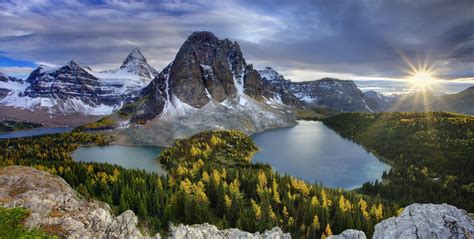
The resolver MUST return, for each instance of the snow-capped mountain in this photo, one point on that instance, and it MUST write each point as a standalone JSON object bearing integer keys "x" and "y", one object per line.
{"x": 134, "y": 67}
{"x": 276, "y": 88}
{"x": 207, "y": 86}
{"x": 205, "y": 70}
{"x": 10, "y": 84}
{"x": 76, "y": 88}
{"x": 341, "y": 95}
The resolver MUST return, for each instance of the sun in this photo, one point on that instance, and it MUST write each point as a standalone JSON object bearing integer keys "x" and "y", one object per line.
{"x": 421, "y": 79}
{"x": 421, "y": 76}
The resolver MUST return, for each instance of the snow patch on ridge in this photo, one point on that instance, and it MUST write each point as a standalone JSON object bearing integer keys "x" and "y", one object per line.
{"x": 176, "y": 108}
{"x": 54, "y": 105}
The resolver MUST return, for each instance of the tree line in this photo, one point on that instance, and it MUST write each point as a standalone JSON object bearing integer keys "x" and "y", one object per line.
{"x": 431, "y": 154}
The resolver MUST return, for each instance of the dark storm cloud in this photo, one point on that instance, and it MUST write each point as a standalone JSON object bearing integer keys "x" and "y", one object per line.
{"x": 366, "y": 37}
{"x": 356, "y": 38}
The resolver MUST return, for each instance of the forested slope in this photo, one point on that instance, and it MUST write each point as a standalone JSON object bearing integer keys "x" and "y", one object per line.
{"x": 432, "y": 154}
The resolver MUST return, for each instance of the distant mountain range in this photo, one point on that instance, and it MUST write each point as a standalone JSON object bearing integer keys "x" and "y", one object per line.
{"x": 462, "y": 102}
{"x": 208, "y": 85}
{"x": 76, "y": 88}
{"x": 340, "y": 95}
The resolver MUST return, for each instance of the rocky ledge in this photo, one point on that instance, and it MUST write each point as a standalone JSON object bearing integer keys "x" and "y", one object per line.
{"x": 349, "y": 234}
{"x": 57, "y": 209}
{"x": 427, "y": 221}
{"x": 421, "y": 221}
{"x": 201, "y": 231}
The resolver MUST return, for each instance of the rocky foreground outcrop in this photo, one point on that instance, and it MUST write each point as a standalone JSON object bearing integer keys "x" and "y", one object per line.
{"x": 349, "y": 234}
{"x": 201, "y": 231}
{"x": 58, "y": 209}
{"x": 421, "y": 221}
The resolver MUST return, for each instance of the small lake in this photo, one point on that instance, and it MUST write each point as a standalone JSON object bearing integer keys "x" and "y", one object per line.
{"x": 35, "y": 132}
{"x": 309, "y": 150}
{"x": 314, "y": 152}
{"x": 128, "y": 157}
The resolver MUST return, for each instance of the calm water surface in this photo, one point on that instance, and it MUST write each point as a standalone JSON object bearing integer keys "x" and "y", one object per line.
{"x": 316, "y": 153}
{"x": 310, "y": 151}
{"x": 125, "y": 156}
{"x": 35, "y": 132}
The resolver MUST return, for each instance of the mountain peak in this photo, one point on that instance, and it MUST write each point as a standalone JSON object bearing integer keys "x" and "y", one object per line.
{"x": 134, "y": 57}
{"x": 203, "y": 37}
{"x": 77, "y": 64}
{"x": 136, "y": 63}
{"x": 271, "y": 75}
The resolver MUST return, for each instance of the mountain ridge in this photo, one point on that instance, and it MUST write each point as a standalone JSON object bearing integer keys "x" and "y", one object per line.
{"x": 341, "y": 95}
{"x": 76, "y": 88}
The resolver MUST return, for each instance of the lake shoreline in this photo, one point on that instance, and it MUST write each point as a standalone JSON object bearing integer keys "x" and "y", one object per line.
{"x": 316, "y": 159}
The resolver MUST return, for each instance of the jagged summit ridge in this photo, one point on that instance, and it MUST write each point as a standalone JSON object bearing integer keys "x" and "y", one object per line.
{"x": 205, "y": 69}
{"x": 207, "y": 86}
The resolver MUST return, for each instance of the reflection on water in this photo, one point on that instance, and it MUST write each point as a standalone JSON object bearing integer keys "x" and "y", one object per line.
{"x": 314, "y": 152}
{"x": 125, "y": 156}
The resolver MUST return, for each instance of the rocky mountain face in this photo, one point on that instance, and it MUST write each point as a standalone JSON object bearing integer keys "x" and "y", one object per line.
{"x": 207, "y": 86}
{"x": 276, "y": 88}
{"x": 76, "y": 88}
{"x": 340, "y": 95}
{"x": 57, "y": 209}
{"x": 69, "y": 81}
{"x": 205, "y": 69}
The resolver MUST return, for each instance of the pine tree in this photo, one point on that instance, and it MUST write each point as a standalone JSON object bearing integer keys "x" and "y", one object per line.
{"x": 328, "y": 231}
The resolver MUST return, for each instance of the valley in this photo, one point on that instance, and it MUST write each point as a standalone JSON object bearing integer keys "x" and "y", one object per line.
{"x": 188, "y": 162}
{"x": 214, "y": 142}
{"x": 214, "y": 177}
{"x": 293, "y": 150}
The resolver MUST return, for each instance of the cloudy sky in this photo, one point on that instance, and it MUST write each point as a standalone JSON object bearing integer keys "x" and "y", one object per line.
{"x": 304, "y": 39}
